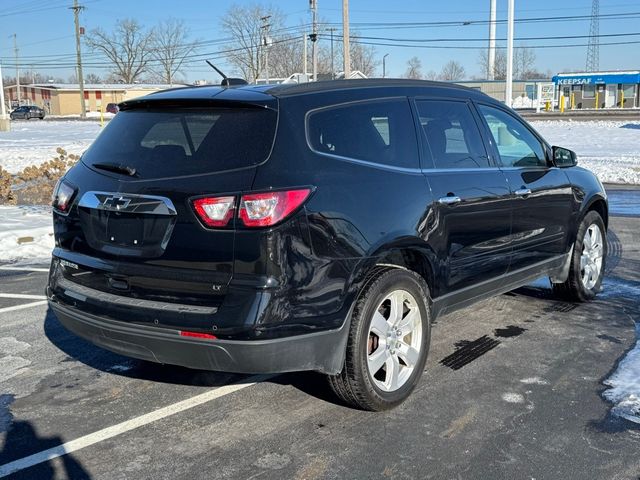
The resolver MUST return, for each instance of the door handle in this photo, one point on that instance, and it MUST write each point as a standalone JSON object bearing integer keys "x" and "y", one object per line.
{"x": 449, "y": 200}
{"x": 523, "y": 192}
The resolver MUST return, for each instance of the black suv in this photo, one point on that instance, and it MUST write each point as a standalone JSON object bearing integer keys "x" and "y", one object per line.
{"x": 27, "y": 112}
{"x": 314, "y": 227}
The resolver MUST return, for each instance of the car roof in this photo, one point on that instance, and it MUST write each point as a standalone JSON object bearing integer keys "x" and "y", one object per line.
{"x": 265, "y": 94}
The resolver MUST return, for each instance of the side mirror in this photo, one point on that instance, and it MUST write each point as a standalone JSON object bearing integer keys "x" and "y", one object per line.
{"x": 563, "y": 157}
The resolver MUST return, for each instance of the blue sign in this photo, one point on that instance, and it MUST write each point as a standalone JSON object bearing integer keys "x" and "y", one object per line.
{"x": 589, "y": 78}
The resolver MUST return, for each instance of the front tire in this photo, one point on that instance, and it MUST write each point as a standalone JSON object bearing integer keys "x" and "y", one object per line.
{"x": 388, "y": 342}
{"x": 587, "y": 261}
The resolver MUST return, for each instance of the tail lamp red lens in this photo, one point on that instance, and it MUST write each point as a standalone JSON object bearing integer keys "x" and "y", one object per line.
{"x": 215, "y": 211}
{"x": 256, "y": 209}
{"x": 184, "y": 333}
{"x": 62, "y": 196}
{"x": 269, "y": 208}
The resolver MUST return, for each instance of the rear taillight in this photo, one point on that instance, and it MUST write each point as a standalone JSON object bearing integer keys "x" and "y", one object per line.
{"x": 62, "y": 197}
{"x": 268, "y": 208}
{"x": 215, "y": 211}
{"x": 256, "y": 209}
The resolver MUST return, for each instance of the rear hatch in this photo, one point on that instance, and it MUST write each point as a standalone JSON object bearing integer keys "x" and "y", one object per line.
{"x": 134, "y": 232}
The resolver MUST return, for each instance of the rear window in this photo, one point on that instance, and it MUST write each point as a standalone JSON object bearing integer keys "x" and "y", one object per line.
{"x": 175, "y": 142}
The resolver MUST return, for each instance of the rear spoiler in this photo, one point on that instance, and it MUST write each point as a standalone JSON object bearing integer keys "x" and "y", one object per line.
{"x": 149, "y": 102}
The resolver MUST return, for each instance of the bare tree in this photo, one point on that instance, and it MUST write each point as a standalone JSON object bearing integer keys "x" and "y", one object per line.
{"x": 363, "y": 57}
{"x": 431, "y": 75}
{"x": 414, "y": 68}
{"x": 128, "y": 48}
{"x": 92, "y": 78}
{"x": 524, "y": 63}
{"x": 244, "y": 25}
{"x": 452, "y": 71}
{"x": 524, "y": 68}
{"x": 170, "y": 48}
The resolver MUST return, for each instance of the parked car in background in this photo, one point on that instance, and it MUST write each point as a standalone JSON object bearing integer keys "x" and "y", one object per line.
{"x": 112, "y": 108}
{"x": 321, "y": 226}
{"x": 27, "y": 112}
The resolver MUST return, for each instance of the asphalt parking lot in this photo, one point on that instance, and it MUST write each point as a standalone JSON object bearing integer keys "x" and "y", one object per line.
{"x": 529, "y": 406}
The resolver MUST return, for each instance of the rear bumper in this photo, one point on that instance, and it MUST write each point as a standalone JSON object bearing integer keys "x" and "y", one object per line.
{"x": 321, "y": 351}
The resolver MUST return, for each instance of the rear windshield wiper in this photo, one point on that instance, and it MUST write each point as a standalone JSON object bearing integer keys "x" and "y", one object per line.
{"x": 112, "y": 167}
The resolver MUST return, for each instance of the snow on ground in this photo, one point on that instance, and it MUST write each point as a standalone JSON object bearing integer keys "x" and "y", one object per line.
{"x": 609, "y": 149}
{"x": 624, "y": 383}
{"x": 26, "y": 234}
{"x": 32, "y": 142}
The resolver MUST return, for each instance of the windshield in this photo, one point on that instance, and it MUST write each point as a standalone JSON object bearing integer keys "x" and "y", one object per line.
{"x": 184, "y": 141}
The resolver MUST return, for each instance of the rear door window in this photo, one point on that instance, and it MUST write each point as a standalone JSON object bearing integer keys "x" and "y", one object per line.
{"x": 380, "y": 131}
{"x": 452, "y": 134}
{"x": 175, "y": 142}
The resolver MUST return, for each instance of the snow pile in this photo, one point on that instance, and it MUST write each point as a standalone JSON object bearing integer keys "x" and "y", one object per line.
{"x": 609, "y": 149}
{"x": 625, "y": 385}
{"x": 26, "y": 234}
{"x": 33, "y": 142}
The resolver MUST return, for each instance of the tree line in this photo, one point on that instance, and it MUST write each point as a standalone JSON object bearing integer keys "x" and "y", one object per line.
{"x": 134, "y": 53}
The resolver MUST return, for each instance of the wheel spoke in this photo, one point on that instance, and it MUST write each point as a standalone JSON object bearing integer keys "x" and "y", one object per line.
{"x": 408, "y": 354}
{"x": 407, "y": 324}
{"x": 378, "y": 358}
{"x": 379, "y": 325}
{"x": 392, "y": 368}
{"x": 397, "y": 303}
{"x": 584, "y": 260}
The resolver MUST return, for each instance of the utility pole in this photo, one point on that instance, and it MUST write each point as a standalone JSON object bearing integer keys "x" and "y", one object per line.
{"x": 491, "y": 56}
{"x": 304, "y": 40}
{"x": 4, "y": 121}
{"x": 76, "y": 12}
{"x": 333, "y": 71}
{"x": 266, "y": 41}
{"x": 384, "y": 65}
{"x": 15, "y": 49}
{"x": 345, "y": 39}
{"x": 509, "y": 82}
{"x": 313, "y": 4}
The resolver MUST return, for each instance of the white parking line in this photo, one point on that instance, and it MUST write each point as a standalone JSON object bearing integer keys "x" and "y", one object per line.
{"x": 22, "y": 296}
{"x": 110, "y": 432}
{"x": 24, "y": 269}
{"x": 21, "y": 307}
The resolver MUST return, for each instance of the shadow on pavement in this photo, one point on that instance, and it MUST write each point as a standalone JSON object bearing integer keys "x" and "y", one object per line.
{"x": 22, "y": 440}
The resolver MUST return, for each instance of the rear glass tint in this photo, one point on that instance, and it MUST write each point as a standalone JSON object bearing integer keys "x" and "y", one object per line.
{"x": 175, "y": 142}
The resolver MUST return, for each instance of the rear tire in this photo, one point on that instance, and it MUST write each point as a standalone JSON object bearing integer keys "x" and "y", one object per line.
{"x": 388, "y": 342}
{"x": 587, "y": 261}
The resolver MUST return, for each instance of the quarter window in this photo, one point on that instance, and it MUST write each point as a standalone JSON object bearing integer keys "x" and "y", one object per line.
{"x": 380, "y": 131}
{"x": 517, "y": 146}
{"x": 452, "y": 134}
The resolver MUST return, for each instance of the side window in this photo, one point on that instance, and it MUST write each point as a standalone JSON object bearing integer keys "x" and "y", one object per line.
{"x": 452, "y": 134}
{"x": 517, "y": 146}
{"x": 378, "y": 131}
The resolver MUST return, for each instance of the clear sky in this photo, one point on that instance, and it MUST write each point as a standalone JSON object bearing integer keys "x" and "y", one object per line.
{"x": 45, "y": 29}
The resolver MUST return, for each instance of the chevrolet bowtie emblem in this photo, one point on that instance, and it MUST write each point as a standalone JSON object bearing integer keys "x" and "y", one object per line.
{"x": 116, "y": 203}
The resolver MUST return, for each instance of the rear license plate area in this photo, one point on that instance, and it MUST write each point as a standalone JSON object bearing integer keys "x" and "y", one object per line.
{"x": 125, "y": 230}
